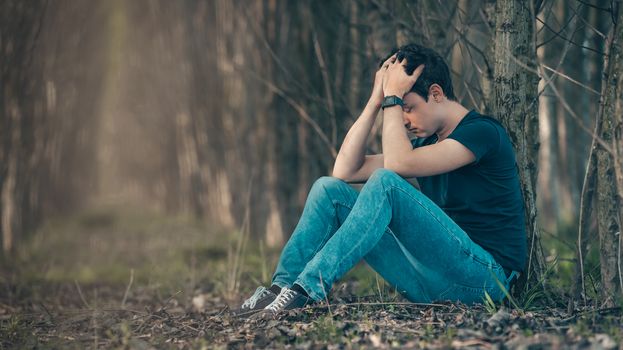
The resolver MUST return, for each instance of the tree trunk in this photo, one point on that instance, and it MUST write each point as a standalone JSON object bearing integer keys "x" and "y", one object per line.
{"x": 609, "y": 173}
{"x": 20, "y": 85}
{"x": 515, "y": 103}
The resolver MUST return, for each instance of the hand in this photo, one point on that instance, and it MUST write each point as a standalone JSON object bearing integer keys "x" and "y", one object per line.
{"x": 377, "y": 90}
{"x": 396, "y": 81}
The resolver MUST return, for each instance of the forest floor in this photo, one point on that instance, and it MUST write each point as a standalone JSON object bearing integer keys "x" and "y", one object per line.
{"x": 111, "y": 279}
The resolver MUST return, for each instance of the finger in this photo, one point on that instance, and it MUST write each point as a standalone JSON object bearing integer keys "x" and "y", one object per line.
{"x": 391, "y": 59}
{"x": 402, "y": 62}
{"x": 418, "y": 70}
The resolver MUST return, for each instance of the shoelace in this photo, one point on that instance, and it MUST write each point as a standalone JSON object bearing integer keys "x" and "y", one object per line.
{"x": 282, "y": 299}
{"x": 259, "y": 293}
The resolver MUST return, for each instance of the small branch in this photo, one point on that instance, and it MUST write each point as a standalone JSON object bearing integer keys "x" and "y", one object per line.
{"x": 127, "y": 290}
{"x": 606, "y": 9}
{"x": 164, "y": 305}
{"x": 48, "y": 312}
{"x": 571, "y": 79}
{"x": 84, "y": 301}
{"x": 326, "y": 298}
{"x": 381, "y": 304}
{"x": 324, "y": 70}
{"x": 565, "y": 105}
{"x": 301, "y": 112}
{"x": 566, "y": 39}
{"x": 586, "y": 198}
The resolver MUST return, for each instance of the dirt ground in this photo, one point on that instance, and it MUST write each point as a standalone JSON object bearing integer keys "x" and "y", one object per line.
{"x": 61, "y": 316}
{"x": 107, "y": 280}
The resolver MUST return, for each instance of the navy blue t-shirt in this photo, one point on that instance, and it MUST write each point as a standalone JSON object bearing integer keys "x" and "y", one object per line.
{"x": 484, "y": 197}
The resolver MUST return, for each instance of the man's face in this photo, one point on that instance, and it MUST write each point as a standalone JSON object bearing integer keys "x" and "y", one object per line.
{"x": 419, "y": 116}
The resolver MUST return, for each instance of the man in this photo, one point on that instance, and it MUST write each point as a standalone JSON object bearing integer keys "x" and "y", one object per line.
{"x": 461, "y": 236}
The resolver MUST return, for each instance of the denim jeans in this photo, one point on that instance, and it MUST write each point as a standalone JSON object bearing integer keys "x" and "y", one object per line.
{"x": 400, "y": 232}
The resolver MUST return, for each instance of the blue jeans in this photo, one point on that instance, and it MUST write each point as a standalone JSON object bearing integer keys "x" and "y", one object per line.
{"x": 400, "y": 232}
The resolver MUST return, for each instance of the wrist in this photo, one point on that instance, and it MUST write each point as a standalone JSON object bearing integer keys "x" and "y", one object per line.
{"x": 375, "y": 102}
{"x": 391, "y": 101}
{"x": 392, "y": 93}
{"x": 390, "y": 107}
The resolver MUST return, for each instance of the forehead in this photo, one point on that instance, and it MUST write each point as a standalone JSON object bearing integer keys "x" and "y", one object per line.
{"x": 413, "y": 98}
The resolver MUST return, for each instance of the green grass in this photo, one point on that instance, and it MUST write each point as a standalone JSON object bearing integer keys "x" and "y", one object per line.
{"x": 560, "y": 253}
{"x": 98, "y": 250}
{"x": 173, "y": 253}
{"x": 106, "y": 246}
{"x": 103, "y": 246}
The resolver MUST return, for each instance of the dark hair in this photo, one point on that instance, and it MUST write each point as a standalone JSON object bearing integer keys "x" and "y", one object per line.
{"x": 435, "y": 71}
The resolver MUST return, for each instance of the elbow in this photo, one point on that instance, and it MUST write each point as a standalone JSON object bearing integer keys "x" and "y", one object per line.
{"x": 399, "y": 168}
{"x": 337, "y": 173}
{"x": 338, "y": 176}
{"x": 393, "y": 165}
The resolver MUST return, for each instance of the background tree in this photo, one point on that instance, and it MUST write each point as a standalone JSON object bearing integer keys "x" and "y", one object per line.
{"x": 229, "y": 110}
{"x": 609, "y": 161}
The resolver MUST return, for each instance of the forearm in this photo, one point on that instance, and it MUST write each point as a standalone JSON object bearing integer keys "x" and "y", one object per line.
{"x": 352, "y": 153}
{"x": 395, "y": 140}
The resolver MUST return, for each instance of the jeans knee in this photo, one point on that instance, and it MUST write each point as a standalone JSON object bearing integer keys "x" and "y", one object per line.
{"x": 324, "y": 184}
{"x": 383, "y": 173}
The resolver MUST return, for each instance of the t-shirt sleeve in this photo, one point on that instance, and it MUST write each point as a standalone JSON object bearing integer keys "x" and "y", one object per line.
{"x": 479, "y": 136}
{"x": 414, "y": 142}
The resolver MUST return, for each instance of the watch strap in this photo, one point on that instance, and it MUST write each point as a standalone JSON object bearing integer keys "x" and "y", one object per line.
{"x": 392, "y": 100}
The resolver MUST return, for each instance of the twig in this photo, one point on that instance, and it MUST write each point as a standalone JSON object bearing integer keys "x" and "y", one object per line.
{"x": 570, "y": 79}
{"x": 402, "y": 303}
{"x": 236, "y": 270}
{"x": 127, "y": 290}
{"x": 301, "y": 111}
{"x": 326, "y": 298}
{"x": 562, "y": 29}
{"x": 164, "y": 305}
{"x": 48, "y": 312}
{"x": 326, "y": 82}
{"x": 606, "y": 9}
{"x": 94, "y": 321}
{"x": 579, "y": 121}
{"x": 586, "y": 197}
{"x": 569, "y": 40}
{"x": 174, "y": 320}
{"x": 81, "y": 295}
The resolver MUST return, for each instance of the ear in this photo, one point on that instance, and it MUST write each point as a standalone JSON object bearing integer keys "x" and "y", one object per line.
{"x": 436, "y": 92}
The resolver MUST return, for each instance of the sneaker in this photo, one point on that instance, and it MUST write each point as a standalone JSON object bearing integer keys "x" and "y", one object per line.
{"x": 257, "y": 302}
{"x": 288, "y": 299}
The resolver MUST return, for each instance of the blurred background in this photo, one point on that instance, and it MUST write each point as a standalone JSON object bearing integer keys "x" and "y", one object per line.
{"x": 149, "y": 138}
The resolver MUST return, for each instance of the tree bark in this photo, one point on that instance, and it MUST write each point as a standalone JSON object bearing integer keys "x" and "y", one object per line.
{"x": 609, "y": 170}
{"x": 515, "y": 102}
{"x": 20, "y": 86}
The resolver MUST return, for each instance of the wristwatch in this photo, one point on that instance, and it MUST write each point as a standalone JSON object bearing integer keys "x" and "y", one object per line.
{"x": 392, "y": 100}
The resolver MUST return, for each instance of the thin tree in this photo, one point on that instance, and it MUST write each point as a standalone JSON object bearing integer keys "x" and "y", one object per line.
{"x": 609, "y": 168}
